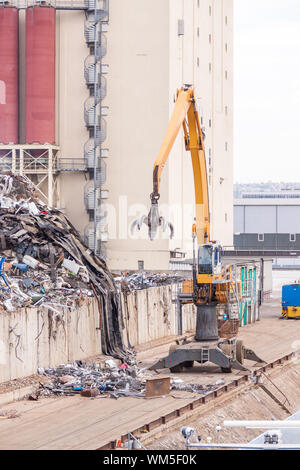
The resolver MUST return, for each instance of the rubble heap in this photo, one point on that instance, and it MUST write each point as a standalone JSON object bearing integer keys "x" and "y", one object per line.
{"x": 44, "y": 262}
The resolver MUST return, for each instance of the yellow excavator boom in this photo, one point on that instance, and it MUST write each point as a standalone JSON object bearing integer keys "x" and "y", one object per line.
{"x": 185, "y": 114}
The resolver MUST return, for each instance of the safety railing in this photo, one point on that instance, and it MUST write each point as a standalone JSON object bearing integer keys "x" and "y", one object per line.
{"x": 71, "y": 164}
{"x": 37, "y": 164}
{"x": 57, "y": 4}
{"x": 5, "y": 163}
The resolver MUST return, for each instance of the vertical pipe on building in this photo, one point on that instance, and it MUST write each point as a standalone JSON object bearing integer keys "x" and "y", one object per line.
{"x": 9, "y": 32}
{"x": 95, "y": 130}
{"x": 40, "y": 75}
{"x": 50, "y": 177}
{"x": 13, "y": 161}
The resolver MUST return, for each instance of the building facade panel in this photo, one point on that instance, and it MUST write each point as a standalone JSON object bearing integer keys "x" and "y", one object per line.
{"x": 239, "y": 219}
{"x": 289, "y": 219}
{"x": 260, "y": 219}
{"x": 268, "y": 221}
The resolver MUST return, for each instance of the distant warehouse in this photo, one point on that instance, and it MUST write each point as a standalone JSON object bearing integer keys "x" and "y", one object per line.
{"x": 269, "y": 221}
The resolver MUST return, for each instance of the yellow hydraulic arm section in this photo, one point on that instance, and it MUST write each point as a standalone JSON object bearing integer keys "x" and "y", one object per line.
{"x": 185, "y": 107}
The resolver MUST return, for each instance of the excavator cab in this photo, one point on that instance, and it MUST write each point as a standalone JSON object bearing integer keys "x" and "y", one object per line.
{"x": 209, "y": 259}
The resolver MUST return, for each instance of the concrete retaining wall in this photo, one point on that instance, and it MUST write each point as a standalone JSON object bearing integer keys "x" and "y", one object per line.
{"x": 32, "y": 338}
{"x": 151, "y": 314}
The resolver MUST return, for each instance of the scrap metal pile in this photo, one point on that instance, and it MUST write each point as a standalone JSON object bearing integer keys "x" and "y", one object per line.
{"x": 44, "y": 262}
{"x": 145, "y": 280}
{"x": 92, "y": 380}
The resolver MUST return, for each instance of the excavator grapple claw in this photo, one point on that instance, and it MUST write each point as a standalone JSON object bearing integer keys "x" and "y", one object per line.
{"x": 153, "y": 221}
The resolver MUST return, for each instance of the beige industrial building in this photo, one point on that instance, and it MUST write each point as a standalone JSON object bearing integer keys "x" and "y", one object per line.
{"x": 153, "y": 48}
{"x": 147, "y": 50}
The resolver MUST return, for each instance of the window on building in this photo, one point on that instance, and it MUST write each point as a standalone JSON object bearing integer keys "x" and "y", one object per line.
{"x": 180, "y": 27}
{"x": 209, "y": 67}
{"x": 226, "y": 146}
{"x": 209, "y": 38}
{"x": 292, "y": 237}
{"x": 198, "y": 62}
{"x": 209, "y": 123}
{"x": 226, "y": 110}
{"x": 225, "y": 216}
{"x": 226, "y": 20}
{"x": 226, "y": 47}
{"x": 226, "y": 75}
{"x": 140, "y": 265}
{"x": 198, "y": 31}
{"x": 261, "y": 237}
{"x": 210, "y": 10}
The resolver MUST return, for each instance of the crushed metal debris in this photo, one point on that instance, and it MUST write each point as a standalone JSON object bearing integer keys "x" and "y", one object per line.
{"x": 45, "y": 264}
{"x": 178, "y": 384}
{"x": 92, "y": 380}
{"x": 144, "y": 280}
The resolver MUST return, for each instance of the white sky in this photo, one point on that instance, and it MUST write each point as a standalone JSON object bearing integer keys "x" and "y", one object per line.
{"x": 267, "y": 90}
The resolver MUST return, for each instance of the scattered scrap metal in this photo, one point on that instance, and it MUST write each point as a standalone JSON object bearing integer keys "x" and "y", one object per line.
{"x": 92, "y": 380}
{"x": 44, "y": 262}
{"x": 178, "y": 384}
{"x": 89, "y": 379}
{"x": 144, "y": 280}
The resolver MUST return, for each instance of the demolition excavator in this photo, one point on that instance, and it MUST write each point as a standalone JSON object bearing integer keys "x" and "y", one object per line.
{"x": 214, "y": 289}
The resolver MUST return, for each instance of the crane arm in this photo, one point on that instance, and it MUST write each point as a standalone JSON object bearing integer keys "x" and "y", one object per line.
{"x": 183, "y": 103}
{"x": 185, "y": 107}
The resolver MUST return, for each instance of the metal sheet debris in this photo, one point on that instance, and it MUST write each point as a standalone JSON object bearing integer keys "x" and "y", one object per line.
{"x": 113, "y": 381}
{"x": 157, "y": 386}
{"x": 45, "y": 264}
{"x": 144, "y": 280}
{"x": 91, "y": 380}
{"x": 194, "y": 388}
